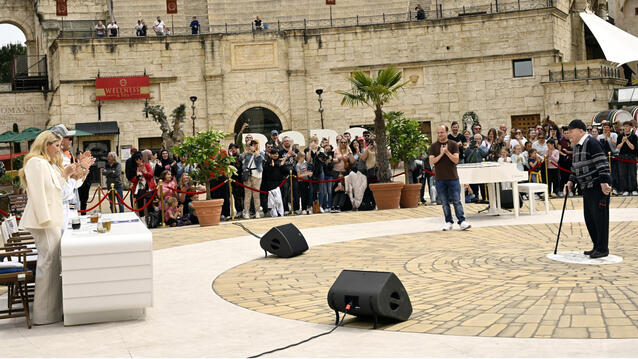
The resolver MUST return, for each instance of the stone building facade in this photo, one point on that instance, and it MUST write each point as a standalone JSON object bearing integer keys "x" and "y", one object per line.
{"x": 454, "y": 64}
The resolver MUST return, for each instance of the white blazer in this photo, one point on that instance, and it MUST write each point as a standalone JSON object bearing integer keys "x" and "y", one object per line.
{"x": 44, "y": 195}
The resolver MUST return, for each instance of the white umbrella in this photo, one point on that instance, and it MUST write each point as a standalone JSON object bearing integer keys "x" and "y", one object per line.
{"x": 619, "y": 46}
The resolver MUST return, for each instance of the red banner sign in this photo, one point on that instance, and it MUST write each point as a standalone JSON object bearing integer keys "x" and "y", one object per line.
{"x": 60, "y": 8}
{"x": 331, "y": 2}
{"x": 171, "y": 6}
{"x": 122, "y": 88}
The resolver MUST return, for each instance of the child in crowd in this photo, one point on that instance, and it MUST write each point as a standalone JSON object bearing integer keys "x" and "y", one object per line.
{"x": 303, "y": 188}
{"x": 173, "y": 214}
{"x": 533, "y": 161}
{"x": 553, "y": 155}
{"x": 518, "y": 158}
{"x": 504, "y": 158}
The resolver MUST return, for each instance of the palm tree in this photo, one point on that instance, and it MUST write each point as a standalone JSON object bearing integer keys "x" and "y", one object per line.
{"x": 375, "y": 93}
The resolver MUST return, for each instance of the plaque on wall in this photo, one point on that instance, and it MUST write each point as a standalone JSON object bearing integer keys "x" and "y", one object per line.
{"x": 254, "y": 55}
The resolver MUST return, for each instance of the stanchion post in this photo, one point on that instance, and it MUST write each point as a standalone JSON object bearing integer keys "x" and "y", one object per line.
{"x": 546, "y": 172}
{"x": 99, "y": 197}
{"x": 232, "y": 200}
{"x": 161, "y": 193}
{"x": 112, "y": 192}
{"x": 486, "y": 194}
{"x": 609, "y": 159}
{"x": 292, "y": 197}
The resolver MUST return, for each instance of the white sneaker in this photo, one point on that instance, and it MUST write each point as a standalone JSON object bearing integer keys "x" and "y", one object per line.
{"x": 246, "y": 215}
{"x": 448, "y": 226}
{"x": 322, "y": 211}
{"x": 634, "y": 193}
{"x": 464, "y": 225}
{"x": 625, "y": 193}
{"x": 304, "y": 212}
{"x": 257, "y": 214}
{"x": 614, "y": 192}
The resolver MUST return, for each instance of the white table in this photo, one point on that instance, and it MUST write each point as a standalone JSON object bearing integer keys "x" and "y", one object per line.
{"x": 492, "y": 173}
{"x": 107, "y": 276}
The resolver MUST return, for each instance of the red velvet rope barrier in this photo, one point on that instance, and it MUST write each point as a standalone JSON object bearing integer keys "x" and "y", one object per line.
{"x": 428, "y": 172}
{"x": 535, "y": 167}
{"x": 139, "y": 209}
{"x": 315, "y": 181}
{"x": 623, "y": 160}
{"x": 4, "y": 213}
{"x": 94, "y": 193}
{"x": 284, "y": 181}
{"x": 202, "y": 192}
{"x": 250, "y": 188}
{"x": 94, "y": 207}
{"x": 559, "y": 167}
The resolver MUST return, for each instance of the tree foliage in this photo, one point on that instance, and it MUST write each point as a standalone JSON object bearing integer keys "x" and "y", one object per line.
{"x": 172, "y": 132}
{"x": 7, "y": 52}
{"x": 206, "y": 152}
{"x": 375, "y": 93}
{"x": 405, "y": 139}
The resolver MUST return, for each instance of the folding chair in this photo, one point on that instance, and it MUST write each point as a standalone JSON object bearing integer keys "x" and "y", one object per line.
{"x": 15, "y": 275}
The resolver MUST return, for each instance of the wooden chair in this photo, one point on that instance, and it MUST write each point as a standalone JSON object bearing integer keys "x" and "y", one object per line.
{"x": 17, "y": 203}
{"x": 15, "y": 275}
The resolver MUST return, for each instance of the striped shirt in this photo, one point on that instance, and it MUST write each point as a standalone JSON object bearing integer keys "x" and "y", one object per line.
{"x": 589, "y": 166}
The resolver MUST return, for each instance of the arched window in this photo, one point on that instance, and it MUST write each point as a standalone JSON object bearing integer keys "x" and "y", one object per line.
{"x": 259, "y": 120}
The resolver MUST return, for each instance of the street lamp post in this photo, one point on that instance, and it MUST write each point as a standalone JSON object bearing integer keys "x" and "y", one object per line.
{"x": 193, "y": 117}
{"x": 319, "y": 92}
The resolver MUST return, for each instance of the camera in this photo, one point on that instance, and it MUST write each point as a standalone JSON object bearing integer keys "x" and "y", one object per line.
{"x": 370, "y": 142}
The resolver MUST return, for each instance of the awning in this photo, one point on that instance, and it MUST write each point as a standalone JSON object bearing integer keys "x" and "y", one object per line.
{"x": 619, "y": 46}
{"x": 99, "y": 128}
{"x": 6, "y": 156}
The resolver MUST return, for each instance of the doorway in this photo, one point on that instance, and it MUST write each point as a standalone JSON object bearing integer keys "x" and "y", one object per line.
{"x": 99, "y": 150}
{"x": 525, "y": 122}
{"x": 259, "y": 120}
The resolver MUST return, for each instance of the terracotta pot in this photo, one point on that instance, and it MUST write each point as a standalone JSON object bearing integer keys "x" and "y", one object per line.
{"x": 208, "y": 212}
{"x": 410, "y": 195}
{"x": 387, "y": 195}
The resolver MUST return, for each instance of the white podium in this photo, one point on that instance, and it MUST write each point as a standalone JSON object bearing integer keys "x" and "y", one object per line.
{"x": 107, "y": 276}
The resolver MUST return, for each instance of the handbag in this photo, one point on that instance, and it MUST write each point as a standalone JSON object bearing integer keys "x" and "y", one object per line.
{"x": 248, "y": 172}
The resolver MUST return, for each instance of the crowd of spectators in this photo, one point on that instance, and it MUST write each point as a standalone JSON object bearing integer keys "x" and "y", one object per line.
{"x": 544, "y": 145}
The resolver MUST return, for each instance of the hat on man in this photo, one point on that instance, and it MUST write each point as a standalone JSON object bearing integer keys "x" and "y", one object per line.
{"x": 274, "y": 132}
{"x": 232, "y": 145}
{"x": 577, "y": 124}
{"x": 61, "y": 131}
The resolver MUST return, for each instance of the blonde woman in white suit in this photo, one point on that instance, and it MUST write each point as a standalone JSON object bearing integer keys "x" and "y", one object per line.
{"x": 44, "y": 178}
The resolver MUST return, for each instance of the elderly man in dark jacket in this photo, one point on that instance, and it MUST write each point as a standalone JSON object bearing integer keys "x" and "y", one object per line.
{"x": 113, "y": 172}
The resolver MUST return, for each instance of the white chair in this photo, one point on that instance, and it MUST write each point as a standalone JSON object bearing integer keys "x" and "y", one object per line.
{"x": 531, "y": 189}
{"x": 356, "y": 131}
{"x": 296, "y": 137}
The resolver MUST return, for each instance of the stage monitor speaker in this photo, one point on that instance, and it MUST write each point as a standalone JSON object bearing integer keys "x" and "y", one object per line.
{"x": 284, "y": 241}
{"x": 506, "y": 199}
{"x": 373, "y": 294}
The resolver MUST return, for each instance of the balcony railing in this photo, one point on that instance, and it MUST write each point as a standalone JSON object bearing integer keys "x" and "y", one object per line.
{"x": 84, "y": 31}
{"x": 587, "y": 71}
{"x": 29, "y": 73}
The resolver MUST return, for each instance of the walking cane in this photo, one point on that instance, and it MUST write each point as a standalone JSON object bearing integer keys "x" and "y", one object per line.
{"x": 561, "y": 221}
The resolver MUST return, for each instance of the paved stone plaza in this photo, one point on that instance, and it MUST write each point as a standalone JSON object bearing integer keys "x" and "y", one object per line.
{"x": 474, "y": 293}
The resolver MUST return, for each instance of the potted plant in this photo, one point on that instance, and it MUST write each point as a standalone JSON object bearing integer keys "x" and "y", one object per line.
{"x": 375, "y": 93}
{"x": 406, "y": 142}
{"x": 206, "y": 152}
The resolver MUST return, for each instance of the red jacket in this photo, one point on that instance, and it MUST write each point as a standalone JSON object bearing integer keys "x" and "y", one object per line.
{"x": 148, "y": 176}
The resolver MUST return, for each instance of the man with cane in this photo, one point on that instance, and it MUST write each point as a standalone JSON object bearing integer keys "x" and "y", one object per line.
{"x": 591, "y": 170}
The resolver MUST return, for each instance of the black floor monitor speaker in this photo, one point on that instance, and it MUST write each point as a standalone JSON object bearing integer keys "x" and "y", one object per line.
{"x": 372, "y": 294}
{"x": 507, "y": 201}
{"x": 284, "y": 241}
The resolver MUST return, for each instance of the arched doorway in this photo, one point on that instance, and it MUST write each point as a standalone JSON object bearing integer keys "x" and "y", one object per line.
{"x": 259, "y": 120}
{"x": 12, "y": 44}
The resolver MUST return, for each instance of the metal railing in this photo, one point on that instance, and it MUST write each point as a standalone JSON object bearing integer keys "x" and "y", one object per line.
{"x": 29, "y": 73}
{"x": 575, "y": 73}
{"x": 305, "y": 24}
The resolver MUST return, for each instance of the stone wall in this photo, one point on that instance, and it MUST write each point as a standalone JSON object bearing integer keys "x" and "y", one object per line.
{"x": 27, "y": 109}
{"x": 453, "y": 66}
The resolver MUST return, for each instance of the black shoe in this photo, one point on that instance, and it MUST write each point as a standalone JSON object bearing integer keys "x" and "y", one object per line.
{"x": 589, "y": 252}
{"x": 597, "y": 254}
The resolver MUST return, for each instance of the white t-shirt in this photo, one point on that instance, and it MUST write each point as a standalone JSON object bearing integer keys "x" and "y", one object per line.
{"x": 515, "y": 142}
{"x": 541, "y": 149}
{"x": 159, "y": 26}
{"x": 614, "y": 137}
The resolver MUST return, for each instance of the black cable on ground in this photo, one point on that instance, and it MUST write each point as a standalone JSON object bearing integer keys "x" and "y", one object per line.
{"x": 246, "y": 229}
{"x": 308, "y": 339}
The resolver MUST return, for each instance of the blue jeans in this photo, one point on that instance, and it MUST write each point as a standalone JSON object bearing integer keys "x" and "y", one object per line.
{"x": 450, "y": 191}
{"x": 325, "y": 192}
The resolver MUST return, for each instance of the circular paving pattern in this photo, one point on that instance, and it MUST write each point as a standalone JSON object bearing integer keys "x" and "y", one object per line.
{"x": 494, "y": 281}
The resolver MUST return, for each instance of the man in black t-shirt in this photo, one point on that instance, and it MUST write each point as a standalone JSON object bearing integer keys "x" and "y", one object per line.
{"x": 460, "y": 140}
{"x": 444, "y": 155}
{"x": 628, "y": 145}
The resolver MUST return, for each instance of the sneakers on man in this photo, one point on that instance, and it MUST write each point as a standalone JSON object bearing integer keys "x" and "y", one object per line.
{"x": 447, "y": 226}
{"x": 625, "y": 193}
{"x": 246, "y": 215}
{"x": 256, "y": 214}
{"x": 335, "y": 210}
{"x": 634, "y": 193}
{"x": 614, "y": 192}
{"x": 464, "y": 225}
{"x": 321, "y": 210}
